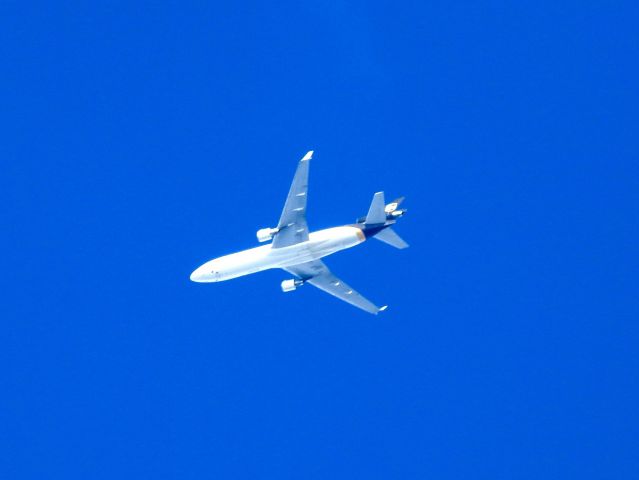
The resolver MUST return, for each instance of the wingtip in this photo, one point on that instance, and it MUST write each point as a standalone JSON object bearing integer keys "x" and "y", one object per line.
{"x": 381, "y": 309}
{"x": 308, "y": 155}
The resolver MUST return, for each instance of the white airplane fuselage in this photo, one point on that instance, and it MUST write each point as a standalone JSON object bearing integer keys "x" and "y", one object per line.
{"x": 319, "y": 244}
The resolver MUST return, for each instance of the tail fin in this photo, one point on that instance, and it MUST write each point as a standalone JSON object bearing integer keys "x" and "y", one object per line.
{"x": 390, "y": 237}
{"x": 376, "y": 214}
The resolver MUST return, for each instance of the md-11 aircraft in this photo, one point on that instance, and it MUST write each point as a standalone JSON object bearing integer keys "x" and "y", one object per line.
{"x": 298, "y": 252}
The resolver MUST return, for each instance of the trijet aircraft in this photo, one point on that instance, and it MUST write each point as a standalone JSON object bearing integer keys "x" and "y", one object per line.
{"x": 298, "y": 252}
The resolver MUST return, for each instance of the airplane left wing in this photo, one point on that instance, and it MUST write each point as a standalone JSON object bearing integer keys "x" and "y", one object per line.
{"x": 292, "y": 225}
{"x": 318, "y": 275}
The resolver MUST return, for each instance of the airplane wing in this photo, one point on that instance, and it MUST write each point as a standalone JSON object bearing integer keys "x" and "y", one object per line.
{"x": 318, "y": 275}
{"x": 292, "y": 225}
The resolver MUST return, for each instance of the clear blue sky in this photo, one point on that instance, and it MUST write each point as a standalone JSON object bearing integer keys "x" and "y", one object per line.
{"x": 139, "y": 140}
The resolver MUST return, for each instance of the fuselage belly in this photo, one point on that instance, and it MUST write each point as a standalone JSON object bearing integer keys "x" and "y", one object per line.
{"x": 319, "y": 244}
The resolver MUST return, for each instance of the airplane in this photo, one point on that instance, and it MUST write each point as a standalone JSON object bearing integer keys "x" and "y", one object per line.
{"x": 298, "y": 252}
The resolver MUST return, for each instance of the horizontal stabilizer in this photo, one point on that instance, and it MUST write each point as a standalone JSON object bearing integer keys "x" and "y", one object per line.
{"x": 390, "y": 237}
{"x": 376, "y": 214}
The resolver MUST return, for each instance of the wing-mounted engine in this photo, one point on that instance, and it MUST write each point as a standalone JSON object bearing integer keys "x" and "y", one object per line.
{"x": 290, "y": 285}
{"x": 266, "y": 234}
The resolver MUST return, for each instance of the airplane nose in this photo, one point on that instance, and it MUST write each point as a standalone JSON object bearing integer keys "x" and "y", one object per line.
{"x": 200, "y": 275}
{"x": 196, "y": 276}
{"x": 204, "y": 274}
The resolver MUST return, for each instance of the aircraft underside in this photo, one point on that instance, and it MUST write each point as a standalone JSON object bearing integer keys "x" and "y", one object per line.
{"x": 298, "y": 251}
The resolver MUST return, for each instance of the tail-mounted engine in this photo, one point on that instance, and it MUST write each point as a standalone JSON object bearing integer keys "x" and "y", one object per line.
{"x": 266, "y": 234}
{"x": 290, "y": 285}
{"x": 395, "y": 214}
{"x": 391, "y": 211}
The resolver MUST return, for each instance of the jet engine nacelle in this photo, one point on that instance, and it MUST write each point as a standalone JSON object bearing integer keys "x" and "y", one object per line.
{"x": 396, "y": 213}
{"x": 290, "y": 285}
{"x": 266, "y": 234}
{"x": 391, "y": 207}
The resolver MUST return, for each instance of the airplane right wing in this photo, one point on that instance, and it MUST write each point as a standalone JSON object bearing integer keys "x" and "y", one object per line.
{"x": 317, "y": 274}
{"x": 292, "y": 225}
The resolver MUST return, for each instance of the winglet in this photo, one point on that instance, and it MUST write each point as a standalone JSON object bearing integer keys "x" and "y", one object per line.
{"x": 381, "y": 309}
{"x": 308, "y": 156}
